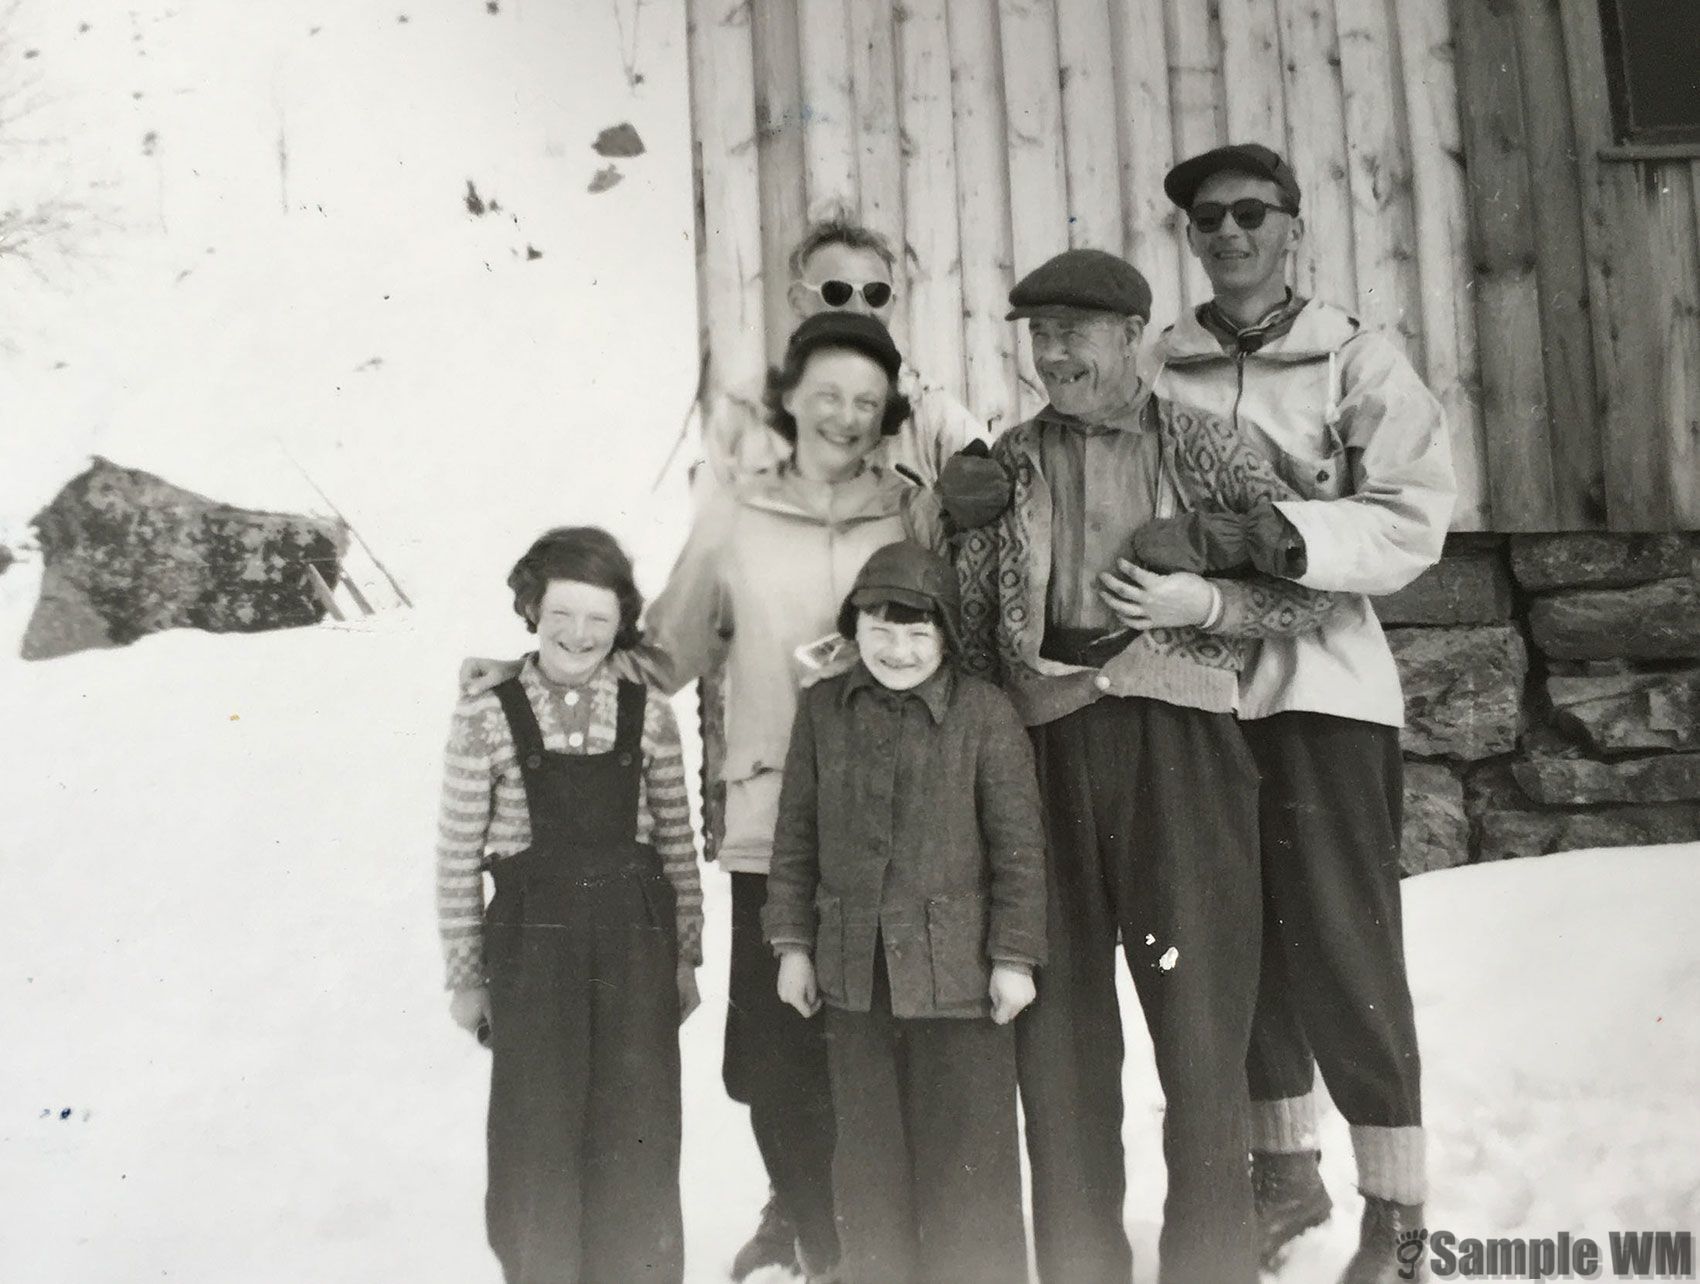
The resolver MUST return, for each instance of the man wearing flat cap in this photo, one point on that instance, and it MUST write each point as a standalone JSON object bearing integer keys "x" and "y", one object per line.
{"x": 1127, "y": 683}
{"x": 1348, "y": 424}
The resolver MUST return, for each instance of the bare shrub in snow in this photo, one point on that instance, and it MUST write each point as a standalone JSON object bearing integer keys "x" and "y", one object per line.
{"x": 43, "y": 224}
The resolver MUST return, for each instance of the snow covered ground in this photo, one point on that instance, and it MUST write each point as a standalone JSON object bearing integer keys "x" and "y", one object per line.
{"x": 226, "y": 1054}
{"x": 223, "y": 966}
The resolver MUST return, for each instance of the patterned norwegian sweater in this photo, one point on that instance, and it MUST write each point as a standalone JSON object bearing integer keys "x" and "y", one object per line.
{"x": 1005, "y": 570}
{"x": 483, "y": 817}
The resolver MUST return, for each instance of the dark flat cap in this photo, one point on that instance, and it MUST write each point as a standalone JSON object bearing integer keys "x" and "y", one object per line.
{"x": 853, "y": 330}
{"x": 1183, "y": 181}
{"x": 1089, "y": 279}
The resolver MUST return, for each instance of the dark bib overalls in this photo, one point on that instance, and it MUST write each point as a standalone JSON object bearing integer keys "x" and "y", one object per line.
{"x": 584, "y": 1084}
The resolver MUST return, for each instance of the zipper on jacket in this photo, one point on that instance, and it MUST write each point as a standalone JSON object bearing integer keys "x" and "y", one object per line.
{"x": 831, "y": 528}
{"x": 1239, "y": 384}
{"x": 832, "y": 559}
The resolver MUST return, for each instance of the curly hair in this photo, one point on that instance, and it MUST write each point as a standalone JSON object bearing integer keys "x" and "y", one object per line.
{"x": 839, "y": 229}
{"x": 587, "y": 554}
{"x": 783, "y": 379}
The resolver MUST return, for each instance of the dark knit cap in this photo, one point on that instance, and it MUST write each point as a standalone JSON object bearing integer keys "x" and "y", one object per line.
{"x": 854, "y": 330}
{"x": 911, "y": 576}
{"x": 1088, "y": 279}
{"x": 1183, "y": 181}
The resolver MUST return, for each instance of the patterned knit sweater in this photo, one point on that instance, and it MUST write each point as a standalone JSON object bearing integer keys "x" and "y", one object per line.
{"x": 1005, "y": 571}
{"x": 483, "y": 817}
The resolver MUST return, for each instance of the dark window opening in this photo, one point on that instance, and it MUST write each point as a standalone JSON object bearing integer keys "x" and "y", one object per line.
{"x": 1653, "y": 69}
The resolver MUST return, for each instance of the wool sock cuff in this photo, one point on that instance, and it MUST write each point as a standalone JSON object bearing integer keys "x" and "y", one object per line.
{"x": 1286, "y": 1125}
{"x": 1392, "y": 1163}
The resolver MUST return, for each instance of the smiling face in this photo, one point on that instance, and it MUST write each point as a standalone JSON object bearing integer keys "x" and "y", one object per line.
{"x": 900, "y": 656}
{"x": 839, "y": 262}
{"x": 838, "y": 404}
{"x": 1087, "y": 360}
{"x": 576, "y": 627}
{"x": 1246, "y": 266}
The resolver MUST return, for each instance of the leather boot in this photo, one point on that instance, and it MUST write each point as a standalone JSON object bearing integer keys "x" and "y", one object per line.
{"x": 1289, "y": 1197}
{"x": 773, "y": 1244}
{"x": 1392, "y": 1245}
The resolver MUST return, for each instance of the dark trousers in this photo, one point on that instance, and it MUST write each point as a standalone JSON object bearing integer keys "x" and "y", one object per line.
{"x": 1334, "y": 984}
{"x": 584, "y": 1085}
{"x": 1151, "y": 829}
{"x": 927, "y": 1170}
{"x": 775, "y": 1062}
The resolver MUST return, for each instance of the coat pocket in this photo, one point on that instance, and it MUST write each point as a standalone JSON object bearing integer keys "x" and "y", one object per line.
{"x": 956, "y": 939}
{"x": 829, "y": 947}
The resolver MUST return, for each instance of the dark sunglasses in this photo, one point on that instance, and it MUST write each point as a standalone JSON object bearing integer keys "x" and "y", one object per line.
{"x": 1249, "y": 213}
{"x": 835, "y": 294}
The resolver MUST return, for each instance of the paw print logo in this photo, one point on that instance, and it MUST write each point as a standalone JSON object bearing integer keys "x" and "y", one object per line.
{"x": 1409, "y": 1251}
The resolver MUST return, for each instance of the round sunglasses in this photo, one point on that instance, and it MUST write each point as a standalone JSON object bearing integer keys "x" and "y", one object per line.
{"x": 835, "y": 294}
{"x": 1248, "y": 213}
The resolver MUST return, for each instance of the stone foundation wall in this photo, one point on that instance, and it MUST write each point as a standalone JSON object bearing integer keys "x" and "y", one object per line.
{"x": 1552, "y": 696}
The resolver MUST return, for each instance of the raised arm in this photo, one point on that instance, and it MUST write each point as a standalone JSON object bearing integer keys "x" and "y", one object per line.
{"x": 736, "y": 439}
{"x": 688, "y": 626}
{"x": 945, "y": 426}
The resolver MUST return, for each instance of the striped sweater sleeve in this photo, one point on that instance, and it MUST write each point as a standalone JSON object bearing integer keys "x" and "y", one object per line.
{"x": 463, "y": 824}
{"x": 670, "y": 816}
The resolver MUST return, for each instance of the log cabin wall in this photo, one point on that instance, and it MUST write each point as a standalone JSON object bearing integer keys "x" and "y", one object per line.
{"x": 1586, "y": 277}
{"x": 1551, "y": 297}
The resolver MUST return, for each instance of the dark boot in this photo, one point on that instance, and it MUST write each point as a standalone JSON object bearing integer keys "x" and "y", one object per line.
{"x": 1392, "y": 1245}
{"x": 1288, "y": 1194}
{"x": 773, "y": 1244}
{"x": 818, "y": 1272}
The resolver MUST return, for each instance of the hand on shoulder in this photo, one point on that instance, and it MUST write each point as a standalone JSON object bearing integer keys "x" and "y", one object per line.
{"x": 974, "y": 488}
{"x": 479, "y": 674}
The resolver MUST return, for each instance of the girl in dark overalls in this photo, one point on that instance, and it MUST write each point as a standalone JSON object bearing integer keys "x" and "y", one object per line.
{"x": 567, "y": 784}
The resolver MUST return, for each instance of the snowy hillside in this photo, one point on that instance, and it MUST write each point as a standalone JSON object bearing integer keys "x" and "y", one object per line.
{"x": 227, "y": 1056}
{"x": 281, "y": 261}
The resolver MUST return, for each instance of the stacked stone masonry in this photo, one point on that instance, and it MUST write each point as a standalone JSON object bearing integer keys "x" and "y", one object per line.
{"x": 1552, "y": 696}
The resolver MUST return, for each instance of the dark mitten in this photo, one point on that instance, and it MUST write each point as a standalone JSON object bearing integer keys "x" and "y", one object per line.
{"x": 1221, "y": 543}
{"x": 1274, "y": 543}
{"x": 973, "y": 487}
{"x": 1203, "y": 543}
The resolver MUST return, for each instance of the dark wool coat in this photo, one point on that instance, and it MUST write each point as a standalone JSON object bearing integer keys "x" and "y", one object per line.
{"x": 912, "y": 817}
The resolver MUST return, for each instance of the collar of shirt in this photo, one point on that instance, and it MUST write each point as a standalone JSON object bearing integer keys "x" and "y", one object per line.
{"x": 531, "y": 675}
{"x": 934, "y": 693}
{"x": 1130, "y": 418}
{"x": 871, "y": 494}
{"x": 1249, "y": 338}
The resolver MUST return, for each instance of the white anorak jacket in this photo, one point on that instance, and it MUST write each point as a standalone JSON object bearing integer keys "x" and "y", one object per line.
{"x": 1350, "y": 426}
